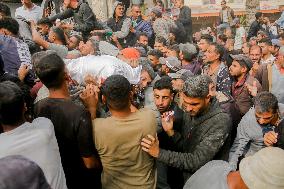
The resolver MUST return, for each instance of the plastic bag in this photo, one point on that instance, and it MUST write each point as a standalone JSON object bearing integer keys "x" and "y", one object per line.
{"x": 101, "y": 67}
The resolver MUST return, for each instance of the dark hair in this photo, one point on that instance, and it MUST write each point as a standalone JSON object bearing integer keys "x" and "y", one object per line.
{"x": 11, "y": 103}
{"x": 219, "y": 49}
{"x": 258, "y": 15}
{"x": 5, "y": 10}
{"x": 223, "y": 37}
{"x": 190, "y": 56}
{"x": 266, "y": 101}
{"x": 116, "y": 89}
{"x": 208, "y": 38}
{"x": 162, "y": 40}
{"x": 266, "y": 41}
{"x": 141, "y": 34}
{"x": 174, "y": 47}
{"x": 10, "y": 24}
{"x": 164, "y": 83}
{"x": 50, "y": 69}
{"x": 45, "y": 21}
{"x": 196, "y": 86}
{"x": 155, "y": 52}
{"x": 59, "y": 34}
{"x": 148, "y": 68}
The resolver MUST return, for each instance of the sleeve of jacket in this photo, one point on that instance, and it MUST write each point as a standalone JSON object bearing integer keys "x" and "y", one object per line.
{"x": 88, "y": 19}
{"x": 186, "y": 18}
{"x": 63, "y": 15}
{"x": 241, "y": 141}
{"x": 205, "y": 151}
{"x": 125, "y": 29}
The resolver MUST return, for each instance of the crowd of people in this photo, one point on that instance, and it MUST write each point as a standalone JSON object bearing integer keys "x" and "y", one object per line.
{"x": 141, "y": 100}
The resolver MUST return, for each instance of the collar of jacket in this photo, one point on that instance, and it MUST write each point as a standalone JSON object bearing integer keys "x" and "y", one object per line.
{"x": 213, "y": 109}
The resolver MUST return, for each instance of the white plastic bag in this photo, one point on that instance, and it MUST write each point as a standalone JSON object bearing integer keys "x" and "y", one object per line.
{"x": 101, "y": 67}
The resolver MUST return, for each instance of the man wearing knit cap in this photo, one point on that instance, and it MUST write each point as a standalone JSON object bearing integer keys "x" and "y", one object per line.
{"x": 261, "y": 171}
{"x": 169, "y": 65}
{"x": 244, "y": 86}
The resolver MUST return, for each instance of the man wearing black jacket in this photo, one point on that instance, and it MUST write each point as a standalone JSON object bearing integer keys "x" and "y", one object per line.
{"x": 204, "y": 132}
{"x": 185, "y": 18}
{"x": 256, "y": 25}
{"x": 84, "y": 18}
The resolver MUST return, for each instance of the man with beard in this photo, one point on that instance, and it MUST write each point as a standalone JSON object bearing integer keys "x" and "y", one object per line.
{"x": 203, "y": 133}
{"x": 216, "y": 69}
{"x": 271, "y": 76}
{"x": 154, "y": 56}
{"x": 255, "y": 54}
{"x": 258, "y": 120}
{"x": 164, "y": 101}
{"x": 243, "y": 83}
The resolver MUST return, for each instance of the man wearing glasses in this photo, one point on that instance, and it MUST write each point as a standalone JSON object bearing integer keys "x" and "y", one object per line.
{"x": 262, "y": 118}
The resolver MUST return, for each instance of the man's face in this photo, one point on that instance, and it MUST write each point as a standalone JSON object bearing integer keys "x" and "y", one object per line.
{"x": 255, "y": 55}
{"x": 119, "y": 10}
{"x": 86, "y": 48}
{"x": 154, "y": 60}
{"x": 177, "y": 84}
{"x": 194, "y": 106}
{"x": 197, "y": 36}
{"x": 164, "y": 69}
{"x": 143, "y": 40}
{"x": 136, "y": 12}
{"x": 264, "y": 48}
{"x": 26, "y": 2}
{"x": 73, "y": 43}
{"x": 171, "y": 53}
{"x": 223, "y": 5}
{"x": 163, "y": 99}
{"x": 203, "y": 45}
{"x": 265, "y": 118}
{"x": 145, "y": 80}
{"x": 211, "y": 55}
{"x": 43, "y": 29}
{"x": 178, "y": 3}
{"x": 158, "y": 46}
{"x": 236, "y": 70}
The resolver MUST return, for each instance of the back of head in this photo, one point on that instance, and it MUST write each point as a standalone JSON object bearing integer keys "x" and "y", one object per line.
{"x": 264, "y": 169}
{"x": 196, "y": 87}
{"x": 164, "y": 83}
{"x": 5, "y": 10}
{"x": 10, "y": 24}
{"x": 265, "y": 102}
{"x": 258, "y": 15}
{"x": 32, "y": 175}
{"x": 50, "y": 69}
{"x": 116, "y": 90}
{"x": 11, "y": 103}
